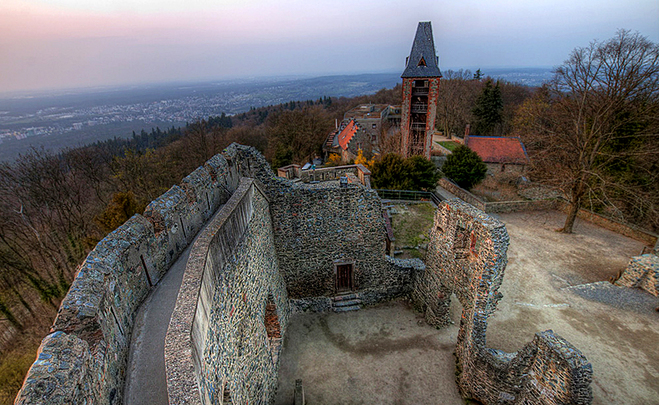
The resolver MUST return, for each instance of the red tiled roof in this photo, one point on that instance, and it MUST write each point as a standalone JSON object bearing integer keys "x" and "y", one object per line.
{"x": 494, "y": 149}
{"x": 346, "y": 134}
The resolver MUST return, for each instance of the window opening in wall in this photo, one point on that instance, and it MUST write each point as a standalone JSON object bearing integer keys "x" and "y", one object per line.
{"x": 474, "y": 245}
{"x": 226, "y": 395}
{"x": 461, "y": 243}
{"x": 241, "y": 336}
{"x": 272, "y": 328}
{"x": 148, "y": 277}
{"x": 117, "y": 321}
{"x": 180, "y": 220}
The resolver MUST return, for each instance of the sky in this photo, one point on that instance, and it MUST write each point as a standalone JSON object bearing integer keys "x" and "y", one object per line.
{"x": 56, "y": 44}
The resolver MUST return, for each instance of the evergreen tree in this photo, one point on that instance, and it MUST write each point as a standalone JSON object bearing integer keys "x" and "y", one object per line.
{"x": 488, "y": 110}
{"x": 464, "y": 167}
{"x": 422, "y": 174}
{"x": 395, "y": 173}
{"x": 389, "y": 172}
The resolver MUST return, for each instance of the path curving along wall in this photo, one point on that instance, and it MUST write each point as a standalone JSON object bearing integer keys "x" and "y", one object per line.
{"x": 225, "y": 333}
{"x": 83, "y": 359}
{"x": 467, "y": 256}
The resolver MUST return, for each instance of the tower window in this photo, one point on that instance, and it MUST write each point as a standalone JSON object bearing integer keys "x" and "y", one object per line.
{"x": 422, "y": 62}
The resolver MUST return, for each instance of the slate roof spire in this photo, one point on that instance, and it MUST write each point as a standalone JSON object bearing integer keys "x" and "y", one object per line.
{"x": 423, "y": 61}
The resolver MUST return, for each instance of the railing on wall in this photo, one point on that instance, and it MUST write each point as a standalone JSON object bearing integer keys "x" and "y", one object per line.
{"x": 409, "y": 195}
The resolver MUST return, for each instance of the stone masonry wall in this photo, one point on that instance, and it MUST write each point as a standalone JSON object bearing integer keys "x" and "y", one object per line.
{"x": 84, "y": 358}
{"x": 516, "y": 206}
{"x": 319, "y": 225}
{"x": 462, "y": 193}
{"x": 217, "y": 346}
{"x": 467, "y": 257}
{"x": 335, "y": 173}
{"x": 642, "y": 272}
{"x": 614, "y": 225}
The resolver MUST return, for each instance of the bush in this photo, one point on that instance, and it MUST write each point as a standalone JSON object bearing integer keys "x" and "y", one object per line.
{"x": 395, "y": 173}
{"x": 464, "y": 167}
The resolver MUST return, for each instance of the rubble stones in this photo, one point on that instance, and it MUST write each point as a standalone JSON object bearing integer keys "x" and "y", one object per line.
{"x": 642, "y": 272}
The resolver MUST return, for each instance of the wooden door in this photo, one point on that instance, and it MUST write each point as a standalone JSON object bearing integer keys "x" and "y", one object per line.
{"x": 344, "y": 277}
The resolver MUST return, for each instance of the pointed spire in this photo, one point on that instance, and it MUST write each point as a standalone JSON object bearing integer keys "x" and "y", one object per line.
{"x": 422, "y": 61}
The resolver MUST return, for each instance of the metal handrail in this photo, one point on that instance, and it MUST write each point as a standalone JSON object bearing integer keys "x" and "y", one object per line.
{"x": 408, "y": 195}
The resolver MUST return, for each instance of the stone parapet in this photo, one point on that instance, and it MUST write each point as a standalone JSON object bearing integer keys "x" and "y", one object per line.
{"x": 111, "y": 284}
{"x": 217, "y": 329}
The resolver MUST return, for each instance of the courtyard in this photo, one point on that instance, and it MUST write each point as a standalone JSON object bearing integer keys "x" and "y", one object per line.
{"x": 387, "y": 354}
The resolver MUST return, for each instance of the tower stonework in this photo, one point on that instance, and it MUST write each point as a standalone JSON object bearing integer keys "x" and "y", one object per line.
{"x": 420, "y": 91}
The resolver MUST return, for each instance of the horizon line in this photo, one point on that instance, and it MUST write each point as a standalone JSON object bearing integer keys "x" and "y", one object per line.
{"x": 53, "y": 91}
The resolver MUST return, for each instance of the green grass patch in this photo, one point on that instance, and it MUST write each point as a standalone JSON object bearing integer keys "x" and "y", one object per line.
{"x": 449, "y": 145}
{"x": 412, "y": 223}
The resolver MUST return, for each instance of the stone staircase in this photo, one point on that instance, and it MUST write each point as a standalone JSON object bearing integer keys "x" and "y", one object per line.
{"x": 346, "y": 302}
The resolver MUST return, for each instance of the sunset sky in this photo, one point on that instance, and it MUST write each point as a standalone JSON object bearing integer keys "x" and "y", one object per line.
{"x": 48, "y": 44}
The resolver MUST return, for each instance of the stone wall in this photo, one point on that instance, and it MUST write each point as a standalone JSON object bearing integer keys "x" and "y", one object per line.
{"x": 400, "y": 274}
{"x": 502, "y": 169}
{"x": 317, "y": 226}
{"x": 217, "y": 346}
{"x": 614, "y": 225}
{"x": 516, "y": 206}
{"x": 642, "y": 272}
{"x": 467, "y": 257}
{"x": 461, "y": 193}
{"x": 626, "y": 229}
{"x": 335, "y": 173}
{"x": 84, "y": 358}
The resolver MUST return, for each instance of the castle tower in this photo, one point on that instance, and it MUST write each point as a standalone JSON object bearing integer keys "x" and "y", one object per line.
{"x": 420, "y": 90}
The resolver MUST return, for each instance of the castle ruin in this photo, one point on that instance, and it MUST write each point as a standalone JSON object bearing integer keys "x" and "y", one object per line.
{"x": 272, "y": 247}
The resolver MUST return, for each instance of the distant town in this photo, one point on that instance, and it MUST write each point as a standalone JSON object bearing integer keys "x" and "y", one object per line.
{"x": 117, "y": 112}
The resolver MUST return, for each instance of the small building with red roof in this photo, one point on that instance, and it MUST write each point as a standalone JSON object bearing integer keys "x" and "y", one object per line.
{"x": 501, "y": 154}
{"x": 347, "y": 140}
{"x": 361, "y": 128}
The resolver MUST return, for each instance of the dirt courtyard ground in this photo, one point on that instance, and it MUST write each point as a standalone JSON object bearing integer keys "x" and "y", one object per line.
{"x": 388, "y": 355}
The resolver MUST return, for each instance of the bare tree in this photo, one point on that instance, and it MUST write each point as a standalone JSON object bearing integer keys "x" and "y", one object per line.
{"x": 457, "y": 94}
{"x": 592, "y": 132}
